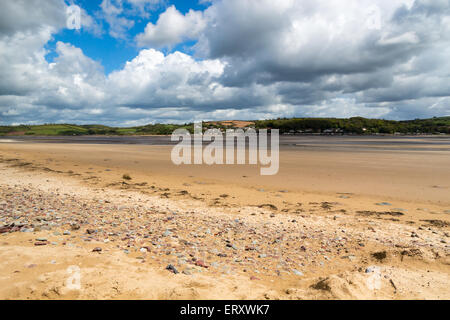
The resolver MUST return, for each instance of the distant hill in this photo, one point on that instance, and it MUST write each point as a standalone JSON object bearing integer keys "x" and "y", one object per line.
{"x": 356, "y": 125}
{"x": 80, "y": 130}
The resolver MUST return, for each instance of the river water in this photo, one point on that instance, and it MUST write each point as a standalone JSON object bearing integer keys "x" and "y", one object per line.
{"x": 338, "y": 143}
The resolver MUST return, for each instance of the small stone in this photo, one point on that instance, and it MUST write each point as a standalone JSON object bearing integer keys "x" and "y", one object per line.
{"x": 351, "y": 257}
{"x": 172, "y": 269}
{"x": 167, "y": 233}
{"x": 229, "y": 245}
{"x": 371, "y": 269}
{"x": 201, "y": 263}
{"x": 297, "y": 273}
{"x": 97, "y": 249}
{"x": 289, "y": 291}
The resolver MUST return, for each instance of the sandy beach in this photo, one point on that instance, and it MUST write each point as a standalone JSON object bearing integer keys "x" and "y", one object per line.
{"x": 335, "y": 223}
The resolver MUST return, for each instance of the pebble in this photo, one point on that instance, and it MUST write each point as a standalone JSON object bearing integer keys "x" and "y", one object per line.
{"x": 167, "y": 233}
{"x": 297, "y": 273}
{"x": 172, "y": 269}
{"x": 190, "y": 237}
{"x": 371, "y": 269}
{"x": 201, "y": 263}
{"x": 384, "y": 204}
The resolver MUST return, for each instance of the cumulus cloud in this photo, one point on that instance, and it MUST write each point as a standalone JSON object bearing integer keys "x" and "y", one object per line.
{"x": 153, "y": 80}
{"x": 119, "y": 14}
{"x": 300, "y": 40}
{"x": 317, "y": 51}
{"x": 28, "y": 15}
{"x": 143, "y": 7}
{"x": 172, "y": 28}
{"x": 112, "y": 13}
{"x": 251, "y": 60}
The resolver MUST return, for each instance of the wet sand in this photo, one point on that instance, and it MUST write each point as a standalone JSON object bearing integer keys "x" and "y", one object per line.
{"x": 318, "y": 229}
{"x": 402, "y": 176}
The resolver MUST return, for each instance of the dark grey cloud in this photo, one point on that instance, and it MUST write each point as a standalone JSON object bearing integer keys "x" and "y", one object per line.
{"x": 29, "y": 15}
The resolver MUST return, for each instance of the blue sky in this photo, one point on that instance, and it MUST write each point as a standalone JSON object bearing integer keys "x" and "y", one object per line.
{"x": 136, "y": 62}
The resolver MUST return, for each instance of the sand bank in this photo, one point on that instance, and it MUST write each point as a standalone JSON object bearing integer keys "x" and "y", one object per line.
{"x": 339, "y": 226}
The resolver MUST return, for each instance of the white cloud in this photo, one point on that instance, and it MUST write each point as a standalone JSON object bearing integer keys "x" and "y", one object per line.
{"x": 172, "y": 28}
{"x": 406, "y": 38}
{"x": 144, "y": 6}
{"x": 154, "y": 80}
{"x": 120, "y": 14}
{"x": 90, "y": 24}
{"x": 112, "y": 12}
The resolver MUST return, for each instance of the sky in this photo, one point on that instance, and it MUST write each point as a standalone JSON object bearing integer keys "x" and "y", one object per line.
{"x": 134, "y": 62}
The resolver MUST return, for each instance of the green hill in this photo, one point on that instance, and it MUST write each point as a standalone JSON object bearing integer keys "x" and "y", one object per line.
{"x": 356, "y": 125}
